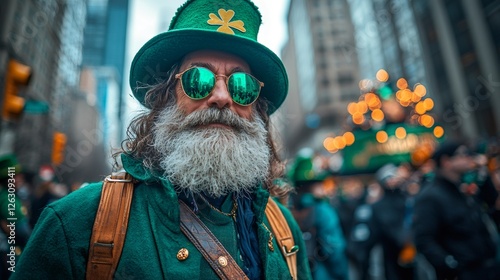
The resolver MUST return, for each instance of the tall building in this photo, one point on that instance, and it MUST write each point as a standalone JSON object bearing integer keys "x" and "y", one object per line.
{"x": 116, "y": 36}
{"x": 387, "y": 38}
{"x": 323, "y": 70}
{"x": 104, "y": 46}
{"x": 461, "y": 42}
{"x": 46, "y": 36}
{"x": 105, "y": 34}
{"x": 95, "y": 33}
{"x": 108, "y": 104}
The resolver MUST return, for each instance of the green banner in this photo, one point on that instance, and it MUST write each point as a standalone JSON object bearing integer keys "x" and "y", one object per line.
{"x": 366, "y": 154}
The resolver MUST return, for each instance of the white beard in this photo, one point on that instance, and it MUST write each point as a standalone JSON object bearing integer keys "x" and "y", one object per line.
{"x": 214, "y": 160}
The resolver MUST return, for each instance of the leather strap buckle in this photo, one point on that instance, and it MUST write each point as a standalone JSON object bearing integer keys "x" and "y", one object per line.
{"x": 109, "y": 245}
{"x": 109, "y": 179}
{"x": 290, "y": 252}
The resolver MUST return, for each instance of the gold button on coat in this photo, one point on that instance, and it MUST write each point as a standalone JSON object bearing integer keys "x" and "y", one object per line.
{"x": 182, "y": 254}
{"x": 223, "y": 261}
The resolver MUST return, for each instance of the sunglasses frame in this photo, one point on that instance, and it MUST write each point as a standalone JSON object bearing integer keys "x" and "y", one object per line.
{"x": 178, "y": 76}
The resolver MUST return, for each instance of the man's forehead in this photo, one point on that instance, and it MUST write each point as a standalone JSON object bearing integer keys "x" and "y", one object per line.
{"x": 214, "y": 60}
{"x": 215, "y": 68}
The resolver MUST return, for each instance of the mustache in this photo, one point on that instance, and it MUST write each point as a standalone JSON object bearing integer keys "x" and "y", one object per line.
{"x": 212, "y": 115}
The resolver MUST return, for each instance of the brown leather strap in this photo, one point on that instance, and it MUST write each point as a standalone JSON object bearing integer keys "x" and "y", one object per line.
{"x": 212, "y": 250}
{"x": 283, "y": 235}
{"x": 110, "y": 226}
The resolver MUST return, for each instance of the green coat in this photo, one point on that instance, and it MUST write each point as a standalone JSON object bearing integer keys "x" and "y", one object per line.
{"x": 58, "y": 248}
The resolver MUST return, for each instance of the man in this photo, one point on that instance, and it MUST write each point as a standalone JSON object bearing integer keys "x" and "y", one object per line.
{"x": 451, "y": 229}
{"x": 204, "y": 142}
{"x": 318, "y": 220}
{"x": 384, "y": 223}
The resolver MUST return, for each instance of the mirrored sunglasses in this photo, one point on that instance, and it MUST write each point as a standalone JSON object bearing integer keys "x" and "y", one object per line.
{"x": 199, "y": 82}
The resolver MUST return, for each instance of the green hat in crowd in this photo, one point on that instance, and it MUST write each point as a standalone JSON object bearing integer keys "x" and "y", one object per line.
{"x": 223, "y": 25}
{"x": 303, "y": 170}
{"x": 6, "y": 161}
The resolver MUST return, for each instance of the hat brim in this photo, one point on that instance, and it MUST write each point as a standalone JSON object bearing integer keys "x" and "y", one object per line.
{"x": 157, "y": 56}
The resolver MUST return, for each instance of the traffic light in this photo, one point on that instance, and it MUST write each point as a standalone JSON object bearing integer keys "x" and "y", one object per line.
{"x": 17, "y": 75}
{"x": 58, "y": 146}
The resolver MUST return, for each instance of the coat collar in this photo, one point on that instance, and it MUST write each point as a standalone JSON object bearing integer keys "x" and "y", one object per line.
{"x": 163, "y": 197}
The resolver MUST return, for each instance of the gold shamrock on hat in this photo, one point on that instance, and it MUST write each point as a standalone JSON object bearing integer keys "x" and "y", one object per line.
{"x": 225, "y": 22}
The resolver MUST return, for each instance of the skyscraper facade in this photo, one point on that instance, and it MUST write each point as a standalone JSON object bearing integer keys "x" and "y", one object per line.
{"x": 104, "y": 46}
{"x": 46, "y": 36}
{"x": 461, "y": 41}
{"x": 323, "y": 70}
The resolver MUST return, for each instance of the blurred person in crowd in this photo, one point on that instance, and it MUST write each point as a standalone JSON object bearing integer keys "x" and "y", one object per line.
{"x": 76, "y": 186}
{"x": 426, "y": 172}
{"x": 318, "y": 220}
{"x": 202, "y": 147}
{"x": 358, "y": 236}
{"x": 14, "y": 227}
{"x": 451, "y": 228}
{"x": 385, "y": 222}
{"x": 46, "y": 192}
{"x": 351, "y": 195}
{"x": 481, "y": 183}
{"x": 494, "y": 169}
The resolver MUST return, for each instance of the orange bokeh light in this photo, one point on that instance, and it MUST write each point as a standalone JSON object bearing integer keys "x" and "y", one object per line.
{"x": 438, "y": 131}
{"x": 328, "y": 143}
{"x": 426, "y": 120}
{"x": 377, "y": 115}
{"x": 381, "y": 136}
{"x": 358, "y": 118}
{"x": 415, "y": 98}
{"x": 349, "y": 138}
{"x": 382, "y": 75}
{"x": 420, "y": 90}
{"x": 429, "y": 104}
{"x": 400, "y": 132}
{"x": 339, "y": 142}
{"x": 420, "y": 108}
{"x": 362, "y": 107}
{"x": 405, "y": 95}
{"x": 402, "y": 83}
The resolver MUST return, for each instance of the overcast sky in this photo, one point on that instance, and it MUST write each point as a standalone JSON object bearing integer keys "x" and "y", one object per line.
{"x": 150, "y": 17}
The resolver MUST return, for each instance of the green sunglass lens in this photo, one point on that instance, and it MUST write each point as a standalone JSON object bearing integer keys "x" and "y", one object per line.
{"x": 198, "y": 82}
{"x": 244, "y": 89}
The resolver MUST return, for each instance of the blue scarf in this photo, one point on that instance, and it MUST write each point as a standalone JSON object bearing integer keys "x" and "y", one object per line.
{"x": 248, "y": 242}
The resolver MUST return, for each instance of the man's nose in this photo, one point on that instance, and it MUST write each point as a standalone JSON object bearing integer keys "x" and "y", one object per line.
{"x": 220, "y": 97}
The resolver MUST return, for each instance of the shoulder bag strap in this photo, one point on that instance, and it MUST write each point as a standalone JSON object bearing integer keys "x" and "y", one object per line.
{"x": 283, "y": 235}
{"x": 208, "y": 245}
{"x": 110, "y": 226}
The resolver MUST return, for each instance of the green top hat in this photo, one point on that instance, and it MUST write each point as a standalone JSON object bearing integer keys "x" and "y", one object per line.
{"x": 8, "y": 161}
{"x": 225, "y": 25}
{"x": 303, "y": 170}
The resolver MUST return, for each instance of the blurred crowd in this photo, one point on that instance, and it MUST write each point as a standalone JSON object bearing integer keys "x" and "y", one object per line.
{"x": 22, "y": 200}
{"x": 435, "y": 220}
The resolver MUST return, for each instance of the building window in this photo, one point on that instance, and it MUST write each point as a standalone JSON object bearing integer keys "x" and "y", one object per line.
{"x": 317, "y": 18}
{"x": 338, "y": 50}
{"x": 325, "y": 82}
{"x": 345, "y": 79}
{"x": 347, "y": 96}
{"x": 324, "y": 98}
{"x": 321, "y": 50}
{"x": 323, "y": 64}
